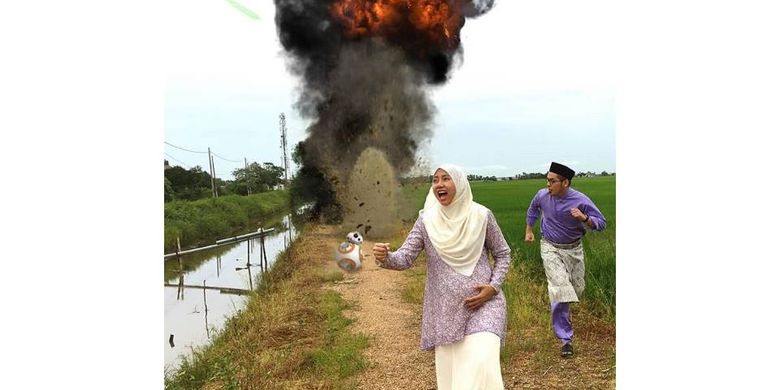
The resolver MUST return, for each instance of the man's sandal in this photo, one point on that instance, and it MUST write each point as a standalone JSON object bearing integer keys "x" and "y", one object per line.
{"x": 567, "y": 350}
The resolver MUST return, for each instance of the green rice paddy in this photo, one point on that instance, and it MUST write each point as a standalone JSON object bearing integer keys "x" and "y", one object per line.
{"x": 509, "y": 200}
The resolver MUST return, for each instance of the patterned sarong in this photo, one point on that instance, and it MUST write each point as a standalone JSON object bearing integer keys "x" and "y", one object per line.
{"x": 564, "y": 265}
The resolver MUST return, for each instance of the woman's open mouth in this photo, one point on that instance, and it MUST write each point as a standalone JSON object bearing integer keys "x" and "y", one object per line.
{"x": 441, "y": 194}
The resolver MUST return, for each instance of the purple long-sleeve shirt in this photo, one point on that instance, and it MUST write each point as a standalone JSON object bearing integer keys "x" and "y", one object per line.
{"x": 558, "y": 225}
{"x": 445, "y": 317}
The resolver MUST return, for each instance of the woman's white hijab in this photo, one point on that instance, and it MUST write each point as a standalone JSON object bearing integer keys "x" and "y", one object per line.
{"x": 457, "y": 230}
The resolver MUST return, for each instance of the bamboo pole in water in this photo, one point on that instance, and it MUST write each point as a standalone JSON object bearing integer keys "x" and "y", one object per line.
{"x": 223, "y": 290}
{"x": 249, "y": 270}
{"x": 262, "y": 232}
{"x": 221, "y": 242}
{"x": 264, "y": 256}
{"x": 180, "y": 292}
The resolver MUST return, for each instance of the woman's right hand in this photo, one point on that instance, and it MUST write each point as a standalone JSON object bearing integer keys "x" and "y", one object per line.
{"x": 380, "y": 251}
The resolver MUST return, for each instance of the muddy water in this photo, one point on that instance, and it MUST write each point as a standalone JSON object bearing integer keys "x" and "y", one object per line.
{"x": 192, "y": 315}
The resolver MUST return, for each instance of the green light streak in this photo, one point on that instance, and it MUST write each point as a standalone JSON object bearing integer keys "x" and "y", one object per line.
{"x": 244, "y": 10}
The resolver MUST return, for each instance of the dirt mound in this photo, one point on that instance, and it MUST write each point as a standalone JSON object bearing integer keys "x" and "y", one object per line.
{"x": 370, "y": 200}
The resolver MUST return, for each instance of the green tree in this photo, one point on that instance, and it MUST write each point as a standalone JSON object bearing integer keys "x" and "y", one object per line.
{"x": 189, "y": 184}
{"x": 258, "y": 178}
{"x": 272, "y": 175}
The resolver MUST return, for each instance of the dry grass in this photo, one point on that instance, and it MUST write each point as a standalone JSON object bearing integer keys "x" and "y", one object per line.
{"x": 292, "y": 333}
{"x": 530, "y": 357}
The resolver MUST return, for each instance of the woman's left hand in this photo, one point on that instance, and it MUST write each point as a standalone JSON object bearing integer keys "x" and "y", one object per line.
{"x": 486, "y": 292}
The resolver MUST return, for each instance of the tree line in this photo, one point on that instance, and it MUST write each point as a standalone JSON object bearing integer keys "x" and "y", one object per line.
{"x": 194, "y": 183}
{"x": 524, "y": 175}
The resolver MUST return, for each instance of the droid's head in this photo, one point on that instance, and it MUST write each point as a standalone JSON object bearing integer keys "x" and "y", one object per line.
{"x": 355, "y": 238}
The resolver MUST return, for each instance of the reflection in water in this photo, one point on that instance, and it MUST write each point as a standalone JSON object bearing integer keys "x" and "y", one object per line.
{"x": 250, "y": 245}
{"x": 220, "y": 286}
{"x": 180, "y": 290}
{"x": 206, "y": 310}
{"x": 264, "y": 259}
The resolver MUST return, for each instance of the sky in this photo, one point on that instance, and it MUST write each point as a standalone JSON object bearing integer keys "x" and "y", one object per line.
{"x": 535, "y": 85}
{"x": 85, "y": 106}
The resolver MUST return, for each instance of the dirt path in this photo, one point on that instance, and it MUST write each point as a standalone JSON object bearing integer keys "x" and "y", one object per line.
{"x": 394, "y": 326}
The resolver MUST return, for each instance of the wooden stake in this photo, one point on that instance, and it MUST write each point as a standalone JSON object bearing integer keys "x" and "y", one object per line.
{"x": 264, "y": 258}
{"x": 180, "y": 292}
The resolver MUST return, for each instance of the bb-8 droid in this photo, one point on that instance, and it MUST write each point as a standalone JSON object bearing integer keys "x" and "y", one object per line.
{"x": 349, "y": 253}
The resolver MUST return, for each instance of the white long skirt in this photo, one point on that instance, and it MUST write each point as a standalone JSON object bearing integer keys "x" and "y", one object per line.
{"x": 470, "y": 364}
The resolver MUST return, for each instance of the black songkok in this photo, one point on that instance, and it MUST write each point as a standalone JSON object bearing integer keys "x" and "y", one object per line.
{"x": 562, "y": 170}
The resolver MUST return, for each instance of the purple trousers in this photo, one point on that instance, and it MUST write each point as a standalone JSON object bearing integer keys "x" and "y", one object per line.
{"x": 561, "y": 321}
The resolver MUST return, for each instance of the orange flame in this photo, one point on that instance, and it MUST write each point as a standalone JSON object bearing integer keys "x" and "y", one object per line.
{"x": 439, "y": 21}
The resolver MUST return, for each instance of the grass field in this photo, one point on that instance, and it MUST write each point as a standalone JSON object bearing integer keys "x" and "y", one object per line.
{"x": 531, "y": 348}
{"x": 204, "y": 220}
{"x": 509, "y": 201}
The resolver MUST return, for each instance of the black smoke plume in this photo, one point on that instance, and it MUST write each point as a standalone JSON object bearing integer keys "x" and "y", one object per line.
{"x": 367, "y": 90}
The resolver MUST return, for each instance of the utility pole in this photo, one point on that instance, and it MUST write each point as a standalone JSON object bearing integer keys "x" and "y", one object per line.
{"x": 285, "y": 161}
{"x": 211, "y": 172}
{"x": 214, "y": 177}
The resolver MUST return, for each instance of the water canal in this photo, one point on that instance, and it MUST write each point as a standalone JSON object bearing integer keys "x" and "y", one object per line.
{"x": 192, "y": 313}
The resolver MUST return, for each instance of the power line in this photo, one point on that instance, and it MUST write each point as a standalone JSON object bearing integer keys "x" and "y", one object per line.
{"x": 179, "y": 147}
{"x": 177, "y": 160}
{"x": 195, "y": 151}
{"x": 225, "y": 158}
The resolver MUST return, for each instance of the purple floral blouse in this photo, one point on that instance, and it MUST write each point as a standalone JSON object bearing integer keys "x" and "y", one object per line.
{"x": 445, "y": 317}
